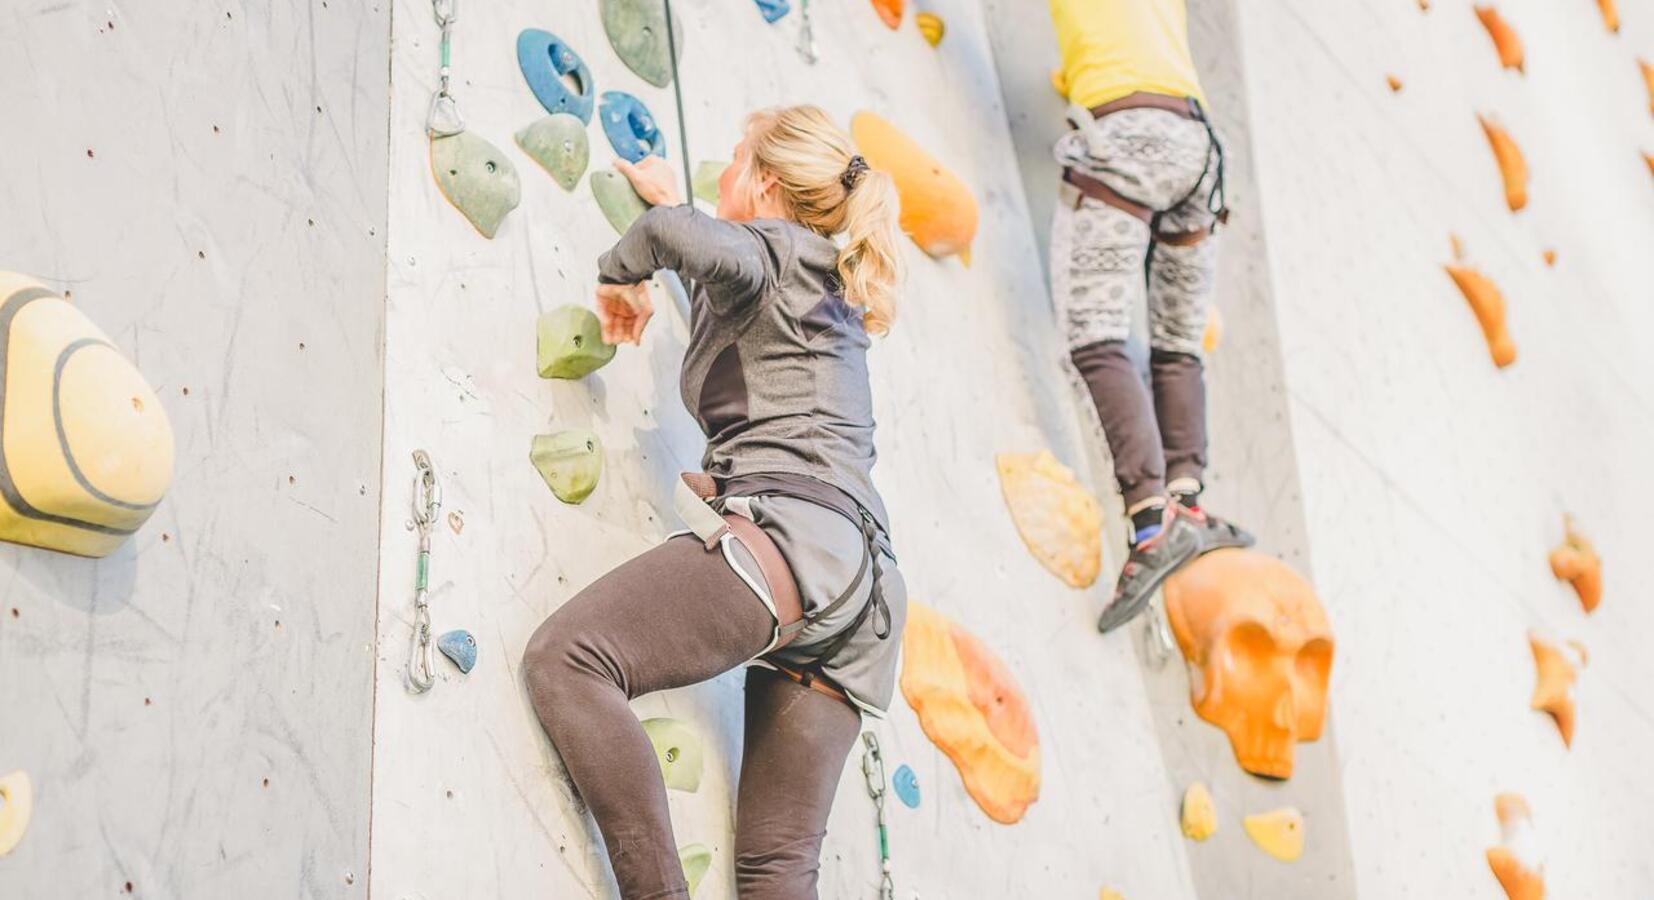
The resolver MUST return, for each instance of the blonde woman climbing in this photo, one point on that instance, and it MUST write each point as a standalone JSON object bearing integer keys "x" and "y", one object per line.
{"x": 788, "y": 562}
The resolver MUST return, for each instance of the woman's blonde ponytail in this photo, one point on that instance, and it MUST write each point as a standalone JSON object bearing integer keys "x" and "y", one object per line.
{"x": 811, "y": 159}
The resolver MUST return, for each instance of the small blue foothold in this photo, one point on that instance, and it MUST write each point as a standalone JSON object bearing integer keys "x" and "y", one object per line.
{"x": 907, "y": 786}
{"x": 630, "y": 127}
{"x": 773, "y": 9}
{"x": 459, "y": 646}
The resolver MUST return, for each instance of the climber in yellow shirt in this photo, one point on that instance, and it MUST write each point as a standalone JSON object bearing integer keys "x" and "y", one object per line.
{"x": 1142, "y": 194}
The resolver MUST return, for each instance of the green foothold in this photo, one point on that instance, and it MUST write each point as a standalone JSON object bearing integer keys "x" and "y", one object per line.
{"x": 678, "y": 751}
{"x": 476, "y": 178}
{"x": 570, "y": 462}
{"x": 637, "y": 31}
{"x": 696, "y": 859}
{"x": 620, "y": 203}
{"x": 569, "y": 343}
{"x": 705, "y": 182}
{"x": 558, "y": 143}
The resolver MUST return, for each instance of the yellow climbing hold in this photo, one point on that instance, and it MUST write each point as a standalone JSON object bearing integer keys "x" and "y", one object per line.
{"x": 16, "y": 806}
{"x": 1200, "y": 813}
{"x": 86, "y": 446}
{"x": 1213, "y": 334}
{"x": 1110, "y": 894}
{"x": 696, "y": 859}
{"x": 1279, "y": 833}
{"x": 1056, "y": 515}
{"x": 932, "y": 27}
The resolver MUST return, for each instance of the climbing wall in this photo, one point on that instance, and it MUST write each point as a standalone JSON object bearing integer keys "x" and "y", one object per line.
{"x": 206, "y": 181}
{"x": 469, "y": 798}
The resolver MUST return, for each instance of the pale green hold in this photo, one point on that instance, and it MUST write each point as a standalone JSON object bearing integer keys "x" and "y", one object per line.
{"x": 570, "y": 461}
{"x": 477, "y": 179}
{"x": 705, "y": 182}
{"x": 696, "y": 859}
{"x": 678, "y": 751}
{"x": 637, "y": 31}
{"x": 569, "y": 343}
{"x": 558, "y": 143}
{"x": 620, "y": 203}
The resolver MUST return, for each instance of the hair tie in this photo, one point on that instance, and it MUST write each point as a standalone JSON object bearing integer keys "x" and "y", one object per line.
{"x": 852, "y": 173}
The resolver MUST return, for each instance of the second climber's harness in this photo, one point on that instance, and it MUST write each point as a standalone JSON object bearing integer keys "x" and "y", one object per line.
{"x": 691, "y": 500}
{"x": 1189, "y": 108}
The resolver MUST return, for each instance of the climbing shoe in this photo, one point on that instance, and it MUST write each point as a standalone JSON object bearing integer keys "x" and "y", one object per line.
{"x": 1215, "y": 533}
{"x": 1151, "y": 560}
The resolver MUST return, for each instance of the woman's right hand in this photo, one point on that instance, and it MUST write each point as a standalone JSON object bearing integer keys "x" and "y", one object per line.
{"x": 653, "y": 179}
{"x": 623, "y": 310}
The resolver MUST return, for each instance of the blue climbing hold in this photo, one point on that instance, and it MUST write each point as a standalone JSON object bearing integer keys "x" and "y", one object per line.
{"x": 907, "y": 786}
{"x": 460, "y": 647}
{"x": 773, "y": 9}
{"x": 545, "y": 61}
{"x": 630, "y": 126}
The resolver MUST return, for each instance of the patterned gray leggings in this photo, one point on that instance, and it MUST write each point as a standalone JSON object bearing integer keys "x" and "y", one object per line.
{"x": 1102, "y": 267}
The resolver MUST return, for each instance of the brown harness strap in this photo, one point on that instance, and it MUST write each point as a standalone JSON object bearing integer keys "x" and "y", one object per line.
{"x": 1145, "y": 100}
{"x": 1097, "y": 190}
{"x": 778, "y": 576}
{"x": 814, "y": 681}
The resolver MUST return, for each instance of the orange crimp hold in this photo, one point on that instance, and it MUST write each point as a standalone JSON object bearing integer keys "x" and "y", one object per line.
{"x": 1512, "y": 166}
{"x": 938, "y": 211}
{"x": 1394, "y": 83}
{"x": 1505, "y": 38}
{"x": 1489, "y": 306}
{"x": 1259, "y": 650}
{"x": 1576, "y": 562}
{"x": 970, "y": 707}
{"x": 1514, "y": 862}
{"x": 1553, "y": 692}
{"x": 1648, "y": 79}
{"x": 1610, "y": 15}
{"x": 890, "y": 11}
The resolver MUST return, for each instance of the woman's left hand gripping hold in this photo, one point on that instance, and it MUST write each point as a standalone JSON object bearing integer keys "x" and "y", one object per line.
{"x": 624, "y": 310}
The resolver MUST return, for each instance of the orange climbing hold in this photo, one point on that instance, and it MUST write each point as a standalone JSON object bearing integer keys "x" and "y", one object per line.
{"x": 890, "y": 11}
{"x": 970, "y": 707}
{"x": 1213, "y": 334}
{"x": 1515, "y": 862}
{"x": 1610, "y": 15}
{"x": 1394, "y": 83}
{"x": 938, "y": 211}
{"x": 1259, "y": 651}
{"x": 1505, "y": 38}
{"x": 1489, "y": 306}
{"x": 1512, "y": 167}
{"x": 1550, "y": 257}
{"x": 1553, "y": 692}
{"x": 1576, "y": 562}
{"x": 1648, "y": 79}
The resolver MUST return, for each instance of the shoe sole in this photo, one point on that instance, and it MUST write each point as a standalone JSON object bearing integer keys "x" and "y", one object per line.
{"x": 1120, "y": 614}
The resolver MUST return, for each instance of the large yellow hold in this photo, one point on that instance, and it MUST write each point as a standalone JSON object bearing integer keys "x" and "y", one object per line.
{"x": 1279, "y": 833}
{"x": 85, "y": 447}
{"x": 16, "y": 806}
{"x": 938, "y": 211}
{"x": 1056, "y": 515}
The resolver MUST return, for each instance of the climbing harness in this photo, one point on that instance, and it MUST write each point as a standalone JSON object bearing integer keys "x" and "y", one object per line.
{"x": 472, "y": 173}
{"x": 427, "y": 501}
{"x": 443, "y": 118}
{"x": 806, "y": 45}
{"x": 872, "y": 767}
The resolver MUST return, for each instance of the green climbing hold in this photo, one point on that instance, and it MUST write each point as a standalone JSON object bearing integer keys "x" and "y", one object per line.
{"x": 637, "y": 31}
{"x": 569, "y": 343}
{"x": 558, "y": 143}
{"x": 620, "y": 203}
{"x": 570, "y": 462}
{"x": 705, "y": 182}
{"x": 476, "y": 178}
{"x": 696, "y": 859}
{"x": 679, "y": 752}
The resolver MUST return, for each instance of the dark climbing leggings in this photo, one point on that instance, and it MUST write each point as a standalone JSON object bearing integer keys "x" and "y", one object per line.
{"x": 1156, "y": 434}
{"x": 675, "y": 616}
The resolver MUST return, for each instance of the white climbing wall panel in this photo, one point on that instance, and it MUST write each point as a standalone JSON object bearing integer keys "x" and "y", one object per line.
{"x": 207, "y": 180}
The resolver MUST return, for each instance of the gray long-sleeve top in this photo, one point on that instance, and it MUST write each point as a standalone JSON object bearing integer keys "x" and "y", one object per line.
{"x": 776, "y": 367}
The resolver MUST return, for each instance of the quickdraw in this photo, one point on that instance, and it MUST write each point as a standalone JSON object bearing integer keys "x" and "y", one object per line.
{"x": 872, "y": 767}
{"x": 443, "y": 118}
{"x": 427, "y": 501}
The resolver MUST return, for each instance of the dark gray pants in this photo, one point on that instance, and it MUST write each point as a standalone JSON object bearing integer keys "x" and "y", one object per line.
{"x": 675, "y": 616}
{"x": 1156, "y": 434}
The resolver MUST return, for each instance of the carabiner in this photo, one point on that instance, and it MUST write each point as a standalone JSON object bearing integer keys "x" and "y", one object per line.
{"x": 446, "y": 11}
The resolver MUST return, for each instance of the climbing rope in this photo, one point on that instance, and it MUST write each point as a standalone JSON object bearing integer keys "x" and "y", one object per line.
{"x": 872, "y": 767}
{"x": 677, "y": 92}
{"x": 443, "y": 118}
{"x": 427, "y": 501}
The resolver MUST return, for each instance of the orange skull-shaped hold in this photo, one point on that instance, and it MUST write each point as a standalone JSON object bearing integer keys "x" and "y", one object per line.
{"x": 1259, "y": 651}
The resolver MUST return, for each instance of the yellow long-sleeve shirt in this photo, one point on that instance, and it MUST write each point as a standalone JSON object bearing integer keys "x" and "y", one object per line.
{"x": 1111, "y": 48}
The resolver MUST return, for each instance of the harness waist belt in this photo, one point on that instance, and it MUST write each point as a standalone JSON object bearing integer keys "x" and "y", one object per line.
{"x": 1183, "y": 106}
